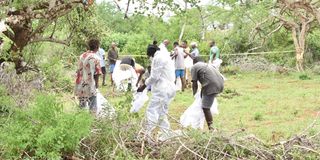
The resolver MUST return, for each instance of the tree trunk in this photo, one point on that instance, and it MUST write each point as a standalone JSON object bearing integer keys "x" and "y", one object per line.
{"x": 184, "y": 24}
{"x": 203, "y": 27}
{"x": 299, "y": 38}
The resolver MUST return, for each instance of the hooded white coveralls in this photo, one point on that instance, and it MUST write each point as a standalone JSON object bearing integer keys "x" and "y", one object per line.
{"x": 163, "y": 91}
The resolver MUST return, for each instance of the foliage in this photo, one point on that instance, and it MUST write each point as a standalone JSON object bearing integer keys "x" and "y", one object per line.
{"x": 6, "y": 103}
{"x": 108, "y": 140}
{"x": 304, "y": 77}
{"x": 57, "y": 75}
{"x": 43, "y": 131}
{"x": 314, "y": 44}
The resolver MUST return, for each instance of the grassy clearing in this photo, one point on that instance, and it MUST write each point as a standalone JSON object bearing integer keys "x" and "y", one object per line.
{"x": 271, "y": 106}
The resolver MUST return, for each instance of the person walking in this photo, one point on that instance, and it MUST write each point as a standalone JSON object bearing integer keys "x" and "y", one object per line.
{"x": 179, "y": 56}
{"x": 161, "y": 80}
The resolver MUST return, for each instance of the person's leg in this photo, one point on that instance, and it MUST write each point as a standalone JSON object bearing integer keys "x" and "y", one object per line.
{"x": 208, "y": 116}
{"x": 82, "y": 102}
{"x": 93, "y": 104}
{"x": 207, "y": 101}
{"x": 152, "y": 115}
{"x": 183, "y": 81}
{"x": 177, "y": 75}
{"x": 111, "y": 68}
{"x": 96, "y": 79}
{"x": 163, "y": 119}
{"x": 104, "y": 72}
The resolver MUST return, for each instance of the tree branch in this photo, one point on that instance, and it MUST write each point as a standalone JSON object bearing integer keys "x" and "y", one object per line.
{"x": 50, "y": 39}
{"x": 117, "y": 4}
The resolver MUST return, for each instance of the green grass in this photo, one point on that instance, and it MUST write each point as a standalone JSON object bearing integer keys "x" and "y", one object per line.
{"x": 271, "y": 106}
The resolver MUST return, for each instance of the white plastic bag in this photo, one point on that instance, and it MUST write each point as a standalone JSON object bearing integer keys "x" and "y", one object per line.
{"x": 139, "y": 99}
{"x": 216, "y": 63}
{"x": 178, "y": 84}
{"x": 122, "y": 78}
{"x": 104, "y": 108}
{"x": 194, "y": 116}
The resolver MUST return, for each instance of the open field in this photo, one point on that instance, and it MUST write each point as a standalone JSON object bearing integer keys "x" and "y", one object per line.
{"x": 271, "y": 106}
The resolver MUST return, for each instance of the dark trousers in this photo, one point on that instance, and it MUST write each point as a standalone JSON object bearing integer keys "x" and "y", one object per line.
{"x": 92, "y": 102}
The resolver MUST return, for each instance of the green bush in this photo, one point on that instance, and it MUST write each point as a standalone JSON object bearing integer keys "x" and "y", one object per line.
{"x": 304, "y": 77}
{"x": 6, "y": 102}
{"x": 137, "y": 44}
{"x": 258, "y": 117}
{"x": 232, "y": 70}
{"x": 43, "y": 131}
{"x": 56, "y": 75}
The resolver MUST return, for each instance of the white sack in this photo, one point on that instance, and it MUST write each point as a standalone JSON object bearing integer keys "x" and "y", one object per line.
{"x": 216, "y": 63}
{"x": 104, "y": 108}
{"x": 122, "y": 78}
{"x": 139, "y": 99}
{"x": 194, "y": 116}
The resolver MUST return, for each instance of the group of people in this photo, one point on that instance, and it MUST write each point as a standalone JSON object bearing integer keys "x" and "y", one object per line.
{"x": 165, "y": 68}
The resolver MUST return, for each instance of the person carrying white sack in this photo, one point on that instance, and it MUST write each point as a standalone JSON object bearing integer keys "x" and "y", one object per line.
{"x": 212, "y": 84}
{"x": 163, "y": 91}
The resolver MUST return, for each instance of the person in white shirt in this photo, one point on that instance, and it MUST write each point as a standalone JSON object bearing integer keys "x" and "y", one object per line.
{"x": 101, "y": 54}
{"x": 179, "y": 56}
{"x": 162, "y": 84}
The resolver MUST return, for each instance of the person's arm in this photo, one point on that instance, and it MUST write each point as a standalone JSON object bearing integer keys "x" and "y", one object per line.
{"x": 156, "y": 70}
{"x": 191, "y": 54}
{"x": 194, "y": 80}
{"x": 141, "y": 72}
{"x": 174, "y": 54}
{"x": 185, "y": 55}
{"x": 103, "y": 53}
{"x": 97, "y": 72}
{"x": 194, "y": 87}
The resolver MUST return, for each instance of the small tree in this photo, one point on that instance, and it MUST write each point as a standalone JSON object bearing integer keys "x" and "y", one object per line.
{"x": 295, "y": 16}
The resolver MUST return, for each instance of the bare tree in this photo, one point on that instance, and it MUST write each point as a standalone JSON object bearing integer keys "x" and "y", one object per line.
{"x": 295, "y": 16}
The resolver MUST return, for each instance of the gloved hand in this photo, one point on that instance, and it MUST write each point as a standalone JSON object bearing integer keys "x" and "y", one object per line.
{"x": 141, "y": 88}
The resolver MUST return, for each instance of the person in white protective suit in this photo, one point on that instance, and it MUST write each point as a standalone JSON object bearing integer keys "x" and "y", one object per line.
{"x": 212, "y": 83}
{"x": 163, "y": 91}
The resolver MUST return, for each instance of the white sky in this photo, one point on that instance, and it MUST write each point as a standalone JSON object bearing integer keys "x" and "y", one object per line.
{"x": 123, "y": 4}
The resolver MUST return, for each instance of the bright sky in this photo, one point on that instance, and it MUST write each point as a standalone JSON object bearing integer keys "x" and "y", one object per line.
{"x": 166, "y": 16}
{"x": 123, "y": 4}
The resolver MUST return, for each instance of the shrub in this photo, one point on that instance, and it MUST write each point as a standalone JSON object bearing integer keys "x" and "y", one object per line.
{"x": 57, "y": 77}
{"x": 6, "y": 102}
{"x": 233, "y": 70}
{"x": 43, "y": 131}
{"x": 304, "y": 77}
{"x": 258, "y": 117}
